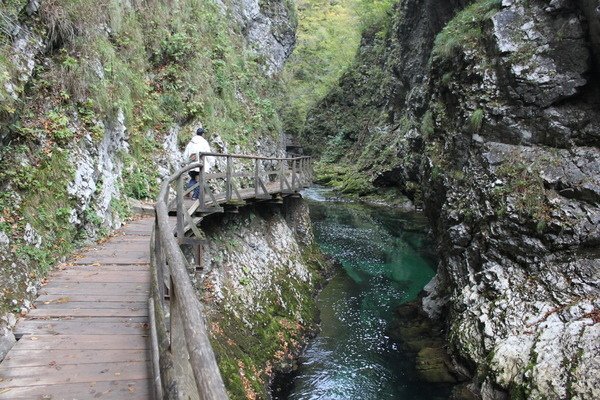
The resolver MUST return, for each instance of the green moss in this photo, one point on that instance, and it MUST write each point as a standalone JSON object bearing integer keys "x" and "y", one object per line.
{"x": 427, "y": 124}
{"x": 343, "y": 178}
{"x": 247, "y": 355}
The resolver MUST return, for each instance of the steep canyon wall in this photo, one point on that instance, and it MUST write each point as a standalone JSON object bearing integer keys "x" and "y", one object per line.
{"x": 486, "y": 115}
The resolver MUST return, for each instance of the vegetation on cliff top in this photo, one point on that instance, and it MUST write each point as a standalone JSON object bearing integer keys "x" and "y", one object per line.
{"x": 465, "y": 29}
{"x": 345, "y": 117}
{"x": 329, "y": 34}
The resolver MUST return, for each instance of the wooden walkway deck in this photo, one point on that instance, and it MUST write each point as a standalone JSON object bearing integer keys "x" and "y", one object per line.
{"x": 87, "y": 338}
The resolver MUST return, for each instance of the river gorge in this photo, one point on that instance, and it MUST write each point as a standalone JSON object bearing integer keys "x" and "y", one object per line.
{"x": 482, "y": 114}
{"x": 386, "y": 260}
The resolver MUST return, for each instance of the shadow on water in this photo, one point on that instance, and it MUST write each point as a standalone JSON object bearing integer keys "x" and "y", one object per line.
{"x": 386, "y": 262}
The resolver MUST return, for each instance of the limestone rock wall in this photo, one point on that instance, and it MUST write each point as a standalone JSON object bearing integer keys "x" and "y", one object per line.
{"x": 260, "y": 272}
{"x": 269, "y": 26}
{"x": 517, "y": 205}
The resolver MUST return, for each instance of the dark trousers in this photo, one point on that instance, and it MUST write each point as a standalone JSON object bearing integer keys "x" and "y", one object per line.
{"x": 192, "y": 182}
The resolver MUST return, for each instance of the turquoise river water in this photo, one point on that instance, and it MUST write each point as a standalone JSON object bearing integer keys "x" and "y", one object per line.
{"x": 386, "y": 262}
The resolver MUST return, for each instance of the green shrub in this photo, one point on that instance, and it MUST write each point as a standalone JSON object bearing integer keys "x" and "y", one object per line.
{"x": 524, "y": 184}
{"x": 58, "y": 128}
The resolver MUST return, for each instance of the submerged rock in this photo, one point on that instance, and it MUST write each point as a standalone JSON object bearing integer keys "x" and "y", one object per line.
{"x": 433, "y": 365}
{"x": 424, "y": 338}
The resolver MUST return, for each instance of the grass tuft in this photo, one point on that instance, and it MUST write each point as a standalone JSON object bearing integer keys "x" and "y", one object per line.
{"x": 465, "y": 30}
{"x": 476, "y": 120}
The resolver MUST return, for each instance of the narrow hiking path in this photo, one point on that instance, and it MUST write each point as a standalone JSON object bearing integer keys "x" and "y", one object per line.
{"x": 88, "y": 335}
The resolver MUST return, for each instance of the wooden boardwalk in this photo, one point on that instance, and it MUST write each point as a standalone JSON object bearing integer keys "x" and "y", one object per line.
{"x": 87, "y": 338}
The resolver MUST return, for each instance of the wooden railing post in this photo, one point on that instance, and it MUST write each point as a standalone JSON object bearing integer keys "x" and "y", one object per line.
{"x": 180, "y": 220}
{"x": 256, "y": 177}
{"x": 281, "y": 175}
{"x": 228, "y": 181}
{"x": 159, "y": 260}
{"x": 202, "y": 182}
{"x": 307, "y": 171}
{"x": 294, "y": 178}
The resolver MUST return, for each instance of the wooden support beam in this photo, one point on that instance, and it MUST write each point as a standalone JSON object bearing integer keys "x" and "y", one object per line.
{"x": 231, "y": 208}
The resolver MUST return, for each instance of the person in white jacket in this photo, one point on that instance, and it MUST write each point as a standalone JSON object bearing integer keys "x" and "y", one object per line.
{"x": 192, "y": 152}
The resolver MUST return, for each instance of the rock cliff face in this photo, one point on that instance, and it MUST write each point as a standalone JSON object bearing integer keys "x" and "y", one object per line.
{"x": 258, "y": 281}
{"x": 270, "y": 27}
{"x": 492, "y": 125}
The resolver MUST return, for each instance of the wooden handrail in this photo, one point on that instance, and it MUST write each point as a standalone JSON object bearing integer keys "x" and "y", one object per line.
{"x": 253, "y": 157}
{"x": 182, "y": 353}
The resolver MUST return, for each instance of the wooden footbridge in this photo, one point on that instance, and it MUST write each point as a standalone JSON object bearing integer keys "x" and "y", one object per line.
{"x": 122, "y": 320}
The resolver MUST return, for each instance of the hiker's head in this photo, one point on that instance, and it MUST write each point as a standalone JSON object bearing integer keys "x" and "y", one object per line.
{"x": 200, "y": 131}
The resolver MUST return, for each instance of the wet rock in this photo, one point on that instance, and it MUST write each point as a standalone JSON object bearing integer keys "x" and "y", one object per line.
{"x": 434, "y": 301}
{"x": 432, "y": 365}
{"x": 465, "y": 392}
{"x": 423, "y": 337}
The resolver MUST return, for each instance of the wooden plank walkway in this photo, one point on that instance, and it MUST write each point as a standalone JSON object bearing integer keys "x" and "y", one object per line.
{"x": 87, "y": 338}
{"x": 247, "y": 195}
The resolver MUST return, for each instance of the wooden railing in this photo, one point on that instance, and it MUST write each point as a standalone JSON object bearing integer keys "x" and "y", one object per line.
{"x": 183, "y": 361}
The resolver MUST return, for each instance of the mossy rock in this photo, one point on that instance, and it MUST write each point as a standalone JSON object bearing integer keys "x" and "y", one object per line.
{"x": 414, "y": 330}
{"x": 432, "y": 365}
{"x": 463, "y": 392}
